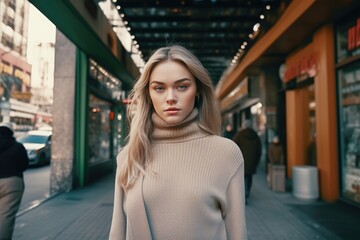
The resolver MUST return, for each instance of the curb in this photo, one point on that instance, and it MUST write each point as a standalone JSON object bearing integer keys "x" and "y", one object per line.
{"x": 37, "y": 204}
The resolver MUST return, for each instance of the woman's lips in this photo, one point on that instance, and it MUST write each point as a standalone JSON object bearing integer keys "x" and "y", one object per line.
{"x": 172, "y": 110}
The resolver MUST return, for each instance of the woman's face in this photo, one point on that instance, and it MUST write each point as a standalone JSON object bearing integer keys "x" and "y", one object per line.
{"x": 172, "y": 90}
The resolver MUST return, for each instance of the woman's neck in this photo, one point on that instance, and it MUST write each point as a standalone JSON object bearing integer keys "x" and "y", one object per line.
{"x": 186, "y": 130}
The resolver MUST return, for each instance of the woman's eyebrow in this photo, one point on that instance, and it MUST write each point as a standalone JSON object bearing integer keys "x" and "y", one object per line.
{"x": 182, "y": 80}
{"x": 156, "y": 82}
{"x": 177, "y": 81}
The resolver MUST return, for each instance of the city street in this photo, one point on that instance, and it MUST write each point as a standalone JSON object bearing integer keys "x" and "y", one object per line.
{"x": 86, "y": 214}
{"x": 37, "y": 182}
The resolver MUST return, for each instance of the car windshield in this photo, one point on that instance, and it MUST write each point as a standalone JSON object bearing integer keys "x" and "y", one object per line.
{"x": 33, "y": 139}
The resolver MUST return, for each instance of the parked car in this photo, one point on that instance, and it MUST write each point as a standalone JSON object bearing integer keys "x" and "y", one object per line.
{"x": 38, "y": 146}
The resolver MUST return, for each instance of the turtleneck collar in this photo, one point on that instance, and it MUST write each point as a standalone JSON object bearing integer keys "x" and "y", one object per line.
{"x": 186, "y": 130}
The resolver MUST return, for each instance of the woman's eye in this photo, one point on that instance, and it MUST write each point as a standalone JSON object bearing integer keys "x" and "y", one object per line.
{"x": 158, "y": 89}
{"x": 182, "y": 87}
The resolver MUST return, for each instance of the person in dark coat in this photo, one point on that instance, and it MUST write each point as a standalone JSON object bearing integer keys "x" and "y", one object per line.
{"x": 250, "y": 145}
{"x": 13, "y": 162}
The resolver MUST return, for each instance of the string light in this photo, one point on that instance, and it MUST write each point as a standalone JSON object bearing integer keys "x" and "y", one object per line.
{"x": 256, "y": 27}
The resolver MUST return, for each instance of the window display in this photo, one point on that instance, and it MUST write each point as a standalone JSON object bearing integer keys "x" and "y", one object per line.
{"x": 104, "y": 113}
{"x": 99, "y": 130}
{"x": 349, "y": 103}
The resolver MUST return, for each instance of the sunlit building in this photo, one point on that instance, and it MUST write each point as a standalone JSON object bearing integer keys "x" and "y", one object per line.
{"x": 15, "y": 71}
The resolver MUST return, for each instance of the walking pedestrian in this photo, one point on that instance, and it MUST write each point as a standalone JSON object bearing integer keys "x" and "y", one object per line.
{"x": 13, "y": 162}
{"x": 176, "y": 177}
{"x": 250, "y": 144}
{"x": 276, "y": 155}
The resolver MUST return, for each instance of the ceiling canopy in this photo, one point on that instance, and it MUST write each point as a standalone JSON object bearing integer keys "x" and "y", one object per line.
{"x": 218, "y": 32}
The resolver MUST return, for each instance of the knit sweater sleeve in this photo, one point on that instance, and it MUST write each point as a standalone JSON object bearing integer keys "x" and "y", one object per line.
{"x": 118, "y": 224}
{"x": 235, "y": 214}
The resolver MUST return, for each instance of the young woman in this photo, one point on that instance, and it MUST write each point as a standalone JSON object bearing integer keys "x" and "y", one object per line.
{"x": 176, "y": 178}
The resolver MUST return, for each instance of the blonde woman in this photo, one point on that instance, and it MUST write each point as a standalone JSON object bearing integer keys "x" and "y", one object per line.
{"x": 176, "y": 177}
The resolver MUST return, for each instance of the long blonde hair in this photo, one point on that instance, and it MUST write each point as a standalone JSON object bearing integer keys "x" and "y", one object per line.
{"x": 139, "y": 153}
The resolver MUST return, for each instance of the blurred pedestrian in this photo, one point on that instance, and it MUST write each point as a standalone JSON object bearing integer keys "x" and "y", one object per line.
{"x": 13, "y": 162}
{"x": 250, "y": 145}
{"x": 229, "y": 131}
{"x": 275, "y": 154}
{"x": 176, "y": 178}
{"x": 276, "y": 158}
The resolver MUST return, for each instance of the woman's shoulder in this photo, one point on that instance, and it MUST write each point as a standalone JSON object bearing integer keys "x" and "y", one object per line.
{"x": 222, "y": 154}
{"x": 223, "y": 142}
{"x": 226, "y": 147}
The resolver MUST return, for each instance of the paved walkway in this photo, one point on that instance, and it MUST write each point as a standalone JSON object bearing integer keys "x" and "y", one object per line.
{"x": 86, "y": 214}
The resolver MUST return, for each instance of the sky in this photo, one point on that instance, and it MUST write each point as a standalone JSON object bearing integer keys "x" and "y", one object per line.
{"x": 40, "y": 30}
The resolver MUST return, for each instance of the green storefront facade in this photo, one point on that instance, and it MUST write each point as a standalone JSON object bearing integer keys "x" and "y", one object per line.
{"x": 93, "y": 75}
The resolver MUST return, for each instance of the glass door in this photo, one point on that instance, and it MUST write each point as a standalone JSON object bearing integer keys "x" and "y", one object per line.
{"x": 349, "y": 115}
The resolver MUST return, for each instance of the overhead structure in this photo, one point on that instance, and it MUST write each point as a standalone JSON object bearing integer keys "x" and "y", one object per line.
{"x": 218, "y": 32}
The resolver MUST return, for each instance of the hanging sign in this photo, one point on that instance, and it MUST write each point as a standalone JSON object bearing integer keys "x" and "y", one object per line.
{"x": 303, "y": 69}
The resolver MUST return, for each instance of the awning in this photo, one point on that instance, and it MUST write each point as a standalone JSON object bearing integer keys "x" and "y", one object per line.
{"x": 243, "y": 103}
{"x": 21, "y": 115}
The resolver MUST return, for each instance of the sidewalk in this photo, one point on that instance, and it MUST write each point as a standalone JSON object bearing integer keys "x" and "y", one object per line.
{"x": 86, "y": 214}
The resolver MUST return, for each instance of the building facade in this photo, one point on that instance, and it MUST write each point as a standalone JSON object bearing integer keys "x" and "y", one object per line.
{"x": 315, "y": 99}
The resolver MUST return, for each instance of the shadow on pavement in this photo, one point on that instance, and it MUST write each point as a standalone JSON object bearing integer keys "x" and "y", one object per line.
{"x": 345, "y": 222}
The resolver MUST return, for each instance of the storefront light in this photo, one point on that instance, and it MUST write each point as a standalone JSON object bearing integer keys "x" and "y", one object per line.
{"x": 256, "y": 109}
{"x": 256, "y": 27}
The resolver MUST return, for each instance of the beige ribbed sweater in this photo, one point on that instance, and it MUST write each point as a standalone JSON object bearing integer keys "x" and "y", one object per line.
{"x": 194, "y": 190}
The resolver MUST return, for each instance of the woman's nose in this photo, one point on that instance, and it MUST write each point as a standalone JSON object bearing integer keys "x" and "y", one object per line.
{"x": 171, "y": 98}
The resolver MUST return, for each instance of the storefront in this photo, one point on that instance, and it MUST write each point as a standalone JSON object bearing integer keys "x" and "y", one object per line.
{"x": 321, "y": 93}
{"x": 348, "y": 91}
{"x": 311, "y": 131}
{"x": 93, "y": 71}
{"x": 106, "y": 119}
{"x": 243, "y": 103}
{"x": 300, "y": 74}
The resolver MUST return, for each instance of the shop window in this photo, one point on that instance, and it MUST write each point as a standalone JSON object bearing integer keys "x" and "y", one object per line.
{"x": 99, "y": 130}
{"x": 349, "y": 114}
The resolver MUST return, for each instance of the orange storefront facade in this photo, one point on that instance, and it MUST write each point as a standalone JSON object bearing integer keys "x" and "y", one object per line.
{"x": 321, "y": 87}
